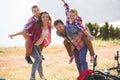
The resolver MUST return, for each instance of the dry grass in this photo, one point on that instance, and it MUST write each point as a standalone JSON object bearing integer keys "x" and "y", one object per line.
{"x": 14, "y": 67}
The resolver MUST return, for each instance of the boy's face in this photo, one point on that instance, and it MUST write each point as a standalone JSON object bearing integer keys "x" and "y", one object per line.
{"x": 60, "y": 27}
{"x": 36, "y": 11}
{"x": 73, "y": 16}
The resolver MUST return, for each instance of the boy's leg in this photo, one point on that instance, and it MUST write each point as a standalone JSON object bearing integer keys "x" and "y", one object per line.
{"x": 28, "y": 49}
{"x": 28, "y": 53}
{"x": 41, "y": 48}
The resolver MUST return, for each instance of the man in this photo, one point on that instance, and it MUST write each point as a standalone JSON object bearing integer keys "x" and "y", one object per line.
{"x": 76, "y": 38}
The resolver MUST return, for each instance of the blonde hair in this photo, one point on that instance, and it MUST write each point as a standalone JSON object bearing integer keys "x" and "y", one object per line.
{"x": 74, "y": 11}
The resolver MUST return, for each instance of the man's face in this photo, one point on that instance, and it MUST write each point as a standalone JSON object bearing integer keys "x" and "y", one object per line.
{"x": 60, "y": 27}
{"x": 36, "y": 11}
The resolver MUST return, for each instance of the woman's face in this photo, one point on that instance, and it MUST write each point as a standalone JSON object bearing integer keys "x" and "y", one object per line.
{"x": 45, "y": 18}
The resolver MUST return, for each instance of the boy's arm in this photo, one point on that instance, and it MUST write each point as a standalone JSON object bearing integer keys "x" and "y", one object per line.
{"x": 13, "y": 35}
{"x": 67, "y": 12}
{"x": 31, "y": 21}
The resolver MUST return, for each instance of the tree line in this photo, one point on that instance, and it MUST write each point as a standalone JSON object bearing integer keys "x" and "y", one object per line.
{"x": 104, "y": 32}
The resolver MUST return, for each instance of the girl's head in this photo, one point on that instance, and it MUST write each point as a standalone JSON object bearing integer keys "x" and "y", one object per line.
{"x": 44, "y": 18}
{"x": 73, "y": 14}
{"x": 35, "y": 10}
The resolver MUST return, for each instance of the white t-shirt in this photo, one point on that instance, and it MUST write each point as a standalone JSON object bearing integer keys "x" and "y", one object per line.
{"x": 43, "y": 35}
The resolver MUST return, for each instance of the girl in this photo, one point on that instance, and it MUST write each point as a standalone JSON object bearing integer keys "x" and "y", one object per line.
{"x": 73, "y": 18}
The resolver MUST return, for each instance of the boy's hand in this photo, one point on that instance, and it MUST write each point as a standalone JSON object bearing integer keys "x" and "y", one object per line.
{"x": 63, "y": 1}
{"x": 11, "y": 36}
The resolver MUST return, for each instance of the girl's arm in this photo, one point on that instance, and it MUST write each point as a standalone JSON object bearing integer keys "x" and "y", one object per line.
{"x": 67, "y": 12}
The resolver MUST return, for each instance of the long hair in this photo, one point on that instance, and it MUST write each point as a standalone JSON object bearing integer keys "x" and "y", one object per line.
{"x": 40, "y": 19}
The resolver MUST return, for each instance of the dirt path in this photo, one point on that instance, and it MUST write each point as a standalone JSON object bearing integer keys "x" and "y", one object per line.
{"x": 13, "y": 61}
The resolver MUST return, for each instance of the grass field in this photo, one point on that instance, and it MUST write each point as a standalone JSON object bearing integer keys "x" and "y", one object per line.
{"x": 14, "y": 67}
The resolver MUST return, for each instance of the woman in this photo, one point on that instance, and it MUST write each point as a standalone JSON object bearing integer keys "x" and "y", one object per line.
{"x": 41, "y": 34}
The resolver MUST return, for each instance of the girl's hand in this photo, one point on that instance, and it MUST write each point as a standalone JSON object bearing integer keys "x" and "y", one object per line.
{"x": 63, "y": 1}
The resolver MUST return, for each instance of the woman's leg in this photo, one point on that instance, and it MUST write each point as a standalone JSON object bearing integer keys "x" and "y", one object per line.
{"x": 36, "y": 55}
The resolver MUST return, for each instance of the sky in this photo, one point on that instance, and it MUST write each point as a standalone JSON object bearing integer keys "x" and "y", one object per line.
{"x": 14, "y": 15}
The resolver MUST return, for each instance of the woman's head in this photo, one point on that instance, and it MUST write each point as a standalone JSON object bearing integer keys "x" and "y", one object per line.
{"x": 45, "y": 18}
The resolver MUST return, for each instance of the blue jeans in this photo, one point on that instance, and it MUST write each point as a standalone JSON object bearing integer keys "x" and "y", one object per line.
{"x": 80, "y": 59}
{"x": 37, "y": 65}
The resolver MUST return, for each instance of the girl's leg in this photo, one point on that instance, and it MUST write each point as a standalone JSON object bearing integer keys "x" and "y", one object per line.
{"x": 37, "y": 58}
{"x": 82, "y": 57}
{"x": 68, "y": 48}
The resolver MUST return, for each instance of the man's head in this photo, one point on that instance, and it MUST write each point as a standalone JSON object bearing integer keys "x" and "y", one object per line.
{"x": 35, "y": 10}
{"x": 59, "y": 25}
{"x": 73, "y": 14}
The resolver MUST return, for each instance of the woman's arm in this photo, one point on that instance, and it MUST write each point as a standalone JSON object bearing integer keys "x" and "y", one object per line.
{"x": 13, "y": 35}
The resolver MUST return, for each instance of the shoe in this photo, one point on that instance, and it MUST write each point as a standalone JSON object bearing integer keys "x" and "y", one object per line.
{"x": 43, "y": 78}
{"x": 71, "y": 59}
{"x": 92, "y": 59}
{"x": 32, "y": 78}
{"x": 43, "y": 58}
{"x": 28, "y": 59}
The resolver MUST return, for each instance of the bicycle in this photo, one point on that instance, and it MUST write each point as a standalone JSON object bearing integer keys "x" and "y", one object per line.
{"x": 99, "y": 75}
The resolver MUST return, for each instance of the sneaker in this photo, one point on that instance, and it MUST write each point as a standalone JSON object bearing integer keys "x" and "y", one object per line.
{"x": 32, "y": 78}
{"x": 43, "y": 78}
{"x": 71, "y": 59}
{"x": 28, "y": 59}
{"x": 92, "y": 59}
{"x": 43, "y": 57}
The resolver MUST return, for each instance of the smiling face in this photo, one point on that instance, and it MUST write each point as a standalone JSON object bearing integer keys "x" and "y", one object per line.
{"x": 73, "y": 14}
{"x": 60, "y": 28}
{"x": 36, "y": 11}
{"x": 45, "y": 18}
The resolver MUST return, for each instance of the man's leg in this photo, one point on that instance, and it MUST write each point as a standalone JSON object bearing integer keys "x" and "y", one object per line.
{"x": 82, "y": 57}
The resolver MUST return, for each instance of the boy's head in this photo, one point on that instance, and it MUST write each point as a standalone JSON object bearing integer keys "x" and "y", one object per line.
{"x": 59, "y": 25}
{"x": 73, "y": 14}
{"x": 35, "y": 10}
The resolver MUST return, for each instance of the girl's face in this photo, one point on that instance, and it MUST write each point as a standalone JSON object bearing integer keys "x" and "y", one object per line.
{"x": 45, "y": 18}
{"x": 73, "y": 16}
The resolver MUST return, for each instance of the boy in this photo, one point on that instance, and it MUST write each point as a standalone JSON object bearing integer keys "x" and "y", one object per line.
{"x": 32, "y": 20}
{"x": 73, "y": 18}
